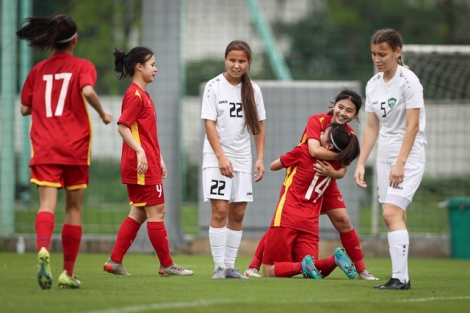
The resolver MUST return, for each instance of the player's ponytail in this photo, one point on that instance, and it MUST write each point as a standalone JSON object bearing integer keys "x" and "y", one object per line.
{"x": 45, "y": 33}
{"x": 248, "y": 95}
{"x": 344, "y": 142}
{"x": 124, "y": 63}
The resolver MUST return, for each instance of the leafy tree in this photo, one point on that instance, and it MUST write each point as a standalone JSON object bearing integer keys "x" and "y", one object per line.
{"x": 333, "y": 44}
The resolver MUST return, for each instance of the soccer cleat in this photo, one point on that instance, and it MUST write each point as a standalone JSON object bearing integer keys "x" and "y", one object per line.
{"x": 44, "y": 272}
{"x": 115, "y": 268}
{"x": 394, "y": 284}
{"x": 66, "y": 281}
{"x": 344, "y": 263}
{"x": 308, "y": 268}
{"x": 219, "y": 273}
{"x": 366, "y": 275}
{"x": 233, "y": 273}
{"x": 252, "y": 272}
{"x": 174, "y": 270}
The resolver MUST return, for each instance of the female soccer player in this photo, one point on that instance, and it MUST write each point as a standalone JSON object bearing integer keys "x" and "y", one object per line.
{"x": 142, "y": 166}
{"x": 395, "y": 106}
{"x": 293, "y": 235}
{"x": 232, "y": 109}
{"x": 53, "y": 94}
{"x": 346, "y": 107}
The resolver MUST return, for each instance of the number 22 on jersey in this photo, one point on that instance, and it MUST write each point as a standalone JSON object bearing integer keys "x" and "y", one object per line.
{"x": 50, "y": 80}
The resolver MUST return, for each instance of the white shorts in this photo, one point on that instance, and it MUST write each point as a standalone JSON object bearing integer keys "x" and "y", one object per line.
{"x": 403, "y": 194}
{"x": 236, "y": 189}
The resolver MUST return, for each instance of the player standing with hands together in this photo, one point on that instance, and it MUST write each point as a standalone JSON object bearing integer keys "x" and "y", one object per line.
{"x": 396, "y": 115}
{"x": 54, "y": 95}
{"x": 232, "y": 109}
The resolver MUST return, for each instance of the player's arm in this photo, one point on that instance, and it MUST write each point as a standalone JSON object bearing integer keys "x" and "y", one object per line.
{"x": 319, "y": 152}
{"x": 371, "y": 133}
{"x": 324, "y": 168}
{"x": 92, "y": 98}
{"x": 25, "y": 110}
{"x": 126, "y": 134}
{"x": 225, "y": 166}
{"x": 397, "y": 174}
{"x": 276, "y": 165}
{"x": 260, "y": 140}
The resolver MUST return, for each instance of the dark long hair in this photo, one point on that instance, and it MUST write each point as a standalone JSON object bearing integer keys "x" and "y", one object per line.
{"x": 45, "y": 33}
{"x": 345, "y": 143}
{"x": 248, "y": 94}
{"x": 124, "y": 63}
{"x": 353, "y": 96}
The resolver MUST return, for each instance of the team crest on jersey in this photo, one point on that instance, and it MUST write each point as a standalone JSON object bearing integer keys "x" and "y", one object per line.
{"x": 391, "y": 102}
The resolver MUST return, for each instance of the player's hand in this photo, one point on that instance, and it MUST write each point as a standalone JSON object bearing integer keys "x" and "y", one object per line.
{"x": 397, "y": 175}
{"x": 359, "y": 176}
{"x": 259, "y": 171}
{"x": 163, "y": 167}
{"x": 225, "y": 167}
{"x": 142, "y": 164}
{"x": 324, "y": 168}
{"x": 106, "y": 117}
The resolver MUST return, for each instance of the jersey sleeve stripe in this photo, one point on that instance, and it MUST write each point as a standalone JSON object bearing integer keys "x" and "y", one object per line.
{"x": 136, "y": 135}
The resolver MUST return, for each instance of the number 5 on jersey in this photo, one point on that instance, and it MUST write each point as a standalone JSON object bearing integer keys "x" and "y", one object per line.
{"x": 49, "y": 79}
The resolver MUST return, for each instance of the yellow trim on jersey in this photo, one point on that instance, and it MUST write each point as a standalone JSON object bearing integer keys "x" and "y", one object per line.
{"x": 135, "y": 134}
{"x": 137, "y": 93}
{"x": 91, "y": 130}
{"x": 138, "y": 204}
{"x": 287, "y": 182}
{"x": 45, "y": 183}
{"x": 76, "y": 187}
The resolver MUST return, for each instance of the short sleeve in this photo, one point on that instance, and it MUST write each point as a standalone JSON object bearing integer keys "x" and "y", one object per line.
{"x": 314, "y": 127}
{"x": 209, "y": 107}
{"x": 87, "y": 75}
{"x": 131, "y": 106}
{"x": 28, "y": 89}
{"x": 292, "y": 157}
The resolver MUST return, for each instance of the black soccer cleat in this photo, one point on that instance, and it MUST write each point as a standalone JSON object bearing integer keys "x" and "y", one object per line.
{"x": 395, "y": 284}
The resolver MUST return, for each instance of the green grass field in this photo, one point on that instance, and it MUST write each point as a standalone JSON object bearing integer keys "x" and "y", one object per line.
{"x": 437, "y": 286}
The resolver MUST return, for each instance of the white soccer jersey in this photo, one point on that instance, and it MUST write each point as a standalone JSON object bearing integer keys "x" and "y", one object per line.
{"x": 389, "y": 101}
{"x": 222, "y": 103}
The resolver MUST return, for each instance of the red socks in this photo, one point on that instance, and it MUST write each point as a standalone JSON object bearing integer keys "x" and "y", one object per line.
{"x": 159, "y": 239}
{"x": 326, "y": 266}
{"x": 126, "y": 235}
{"x": 44, "y": 229}
{"x": 258, "y": 257}
{"x": 71, "y": 238}
{"x": 287, "y": 269}
{"x": 351, "y": 244}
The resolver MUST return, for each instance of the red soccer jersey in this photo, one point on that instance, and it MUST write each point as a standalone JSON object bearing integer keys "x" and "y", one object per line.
{"x": 301, "y": 193}
{"x": 60, "y": 125}
{"x": 316, "y": 124}
{"x": 138, "y": 113}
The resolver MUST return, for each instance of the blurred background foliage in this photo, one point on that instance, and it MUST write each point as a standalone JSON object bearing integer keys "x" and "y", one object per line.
{"x": 330, "y": 43}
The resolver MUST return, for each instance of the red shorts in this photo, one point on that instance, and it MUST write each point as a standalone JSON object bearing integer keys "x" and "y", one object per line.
{"x": 145, "y": 195}
{"x": 332, "y": 198}
{"x": 70, "y": 177}
{"x": 289, "y": 245}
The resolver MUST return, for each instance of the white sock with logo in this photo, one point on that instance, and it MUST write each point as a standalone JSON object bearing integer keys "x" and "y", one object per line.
{"x": 217, "y": 239}
{"x": 399, "y": 242}
{"x": 234, "y": 237}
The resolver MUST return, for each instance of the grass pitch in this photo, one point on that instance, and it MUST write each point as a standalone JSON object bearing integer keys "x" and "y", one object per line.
{"x": 437, "y": 286}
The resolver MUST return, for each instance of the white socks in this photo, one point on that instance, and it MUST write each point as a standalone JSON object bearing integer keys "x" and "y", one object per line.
{"x": 399, "y": 242}
{"x": 224, "y": 246}
{"x": 232, "y": 244}
{"x": 217, "y": 239}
